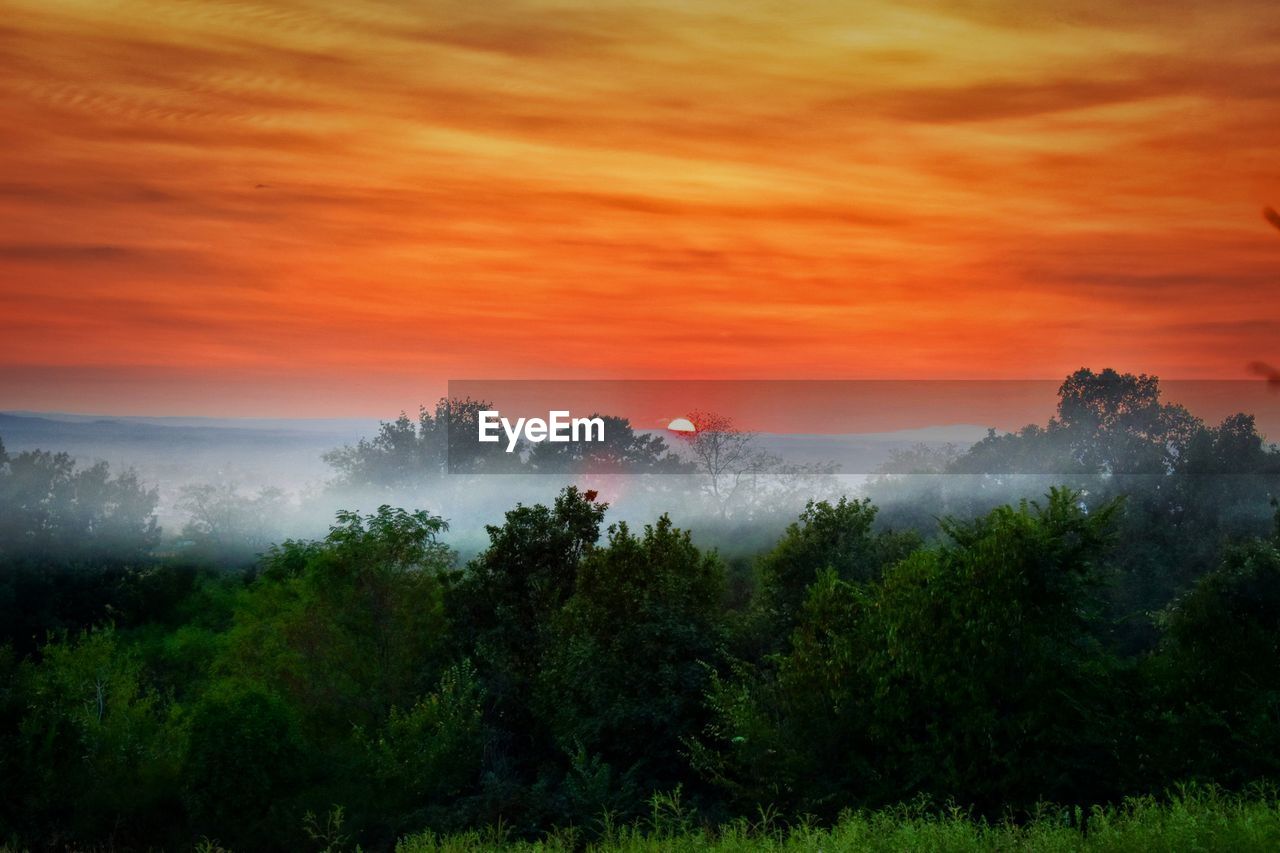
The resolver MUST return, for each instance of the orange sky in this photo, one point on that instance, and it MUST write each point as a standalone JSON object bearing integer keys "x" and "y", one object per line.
{"x": 704, "y": 188}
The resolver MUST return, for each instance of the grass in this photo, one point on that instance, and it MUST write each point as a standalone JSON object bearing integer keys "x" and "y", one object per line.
{"x": 1189, "y": 821}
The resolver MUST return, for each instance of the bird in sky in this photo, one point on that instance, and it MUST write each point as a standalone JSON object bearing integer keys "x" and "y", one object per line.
{"x": 1269, "y": 214}
{"x": 1267, "y": 372}
{"x": 1261, "y": 368}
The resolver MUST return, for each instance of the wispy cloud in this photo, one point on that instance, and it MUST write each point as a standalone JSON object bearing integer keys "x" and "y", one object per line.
{"x": 715, "y": 188}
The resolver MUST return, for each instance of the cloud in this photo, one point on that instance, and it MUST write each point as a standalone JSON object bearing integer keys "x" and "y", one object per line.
{"x": 1066, "y": 16}
{"x": 523, "y": 41}
{"x": 928, "y": 188}
{"x": 1229, "y": 329}
{"x": 55, "y": 253}
{"x": 1117, "y": 82}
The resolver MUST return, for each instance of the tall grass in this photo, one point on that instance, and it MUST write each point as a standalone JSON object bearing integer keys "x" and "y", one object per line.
{"x": 1194, "y": 820}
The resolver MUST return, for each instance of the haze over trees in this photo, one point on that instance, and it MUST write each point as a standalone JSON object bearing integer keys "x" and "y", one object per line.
{"x": 1189, "y": 487}
{"x": 56, "y": 510}
{"x": 951, "y": 638}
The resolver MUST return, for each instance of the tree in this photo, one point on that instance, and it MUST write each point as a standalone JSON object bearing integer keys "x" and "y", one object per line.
{"x": 993, "y": 687}
{"x": 58, "y": 513}
{"x": 971, "y": 672}
{"x": 629, "y": 654}
{"x": 837, "y": 537}
{"x": 1107, "y": 423}
{"x": 428, "y": 755}
{"x": 502, "y": 609}
{"x": 408, "y": 454}
{"x": 75, "y": 545}
{"x": 401, "y": 452}
{"x": 1189, "y": 487}
{"x": 245, "y": 761}
{"x": 1117, "y": 424}
{"x": 1218, "y": 666}
{"x": 796, "y": 735}
{"x": 742, "y": 480}
{"x": 622, "y": 451}
{"x": 226, "y": 525}
{"x": 728, "y": 459}
{"x": 96, "y": 752}
{"x": 350, "y": 626}
{"x": 511, "y": 591}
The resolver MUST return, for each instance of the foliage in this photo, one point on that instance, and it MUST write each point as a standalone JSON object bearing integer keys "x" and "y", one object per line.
{"x": 973, "y": 655}
{"x": 56, "y": 511}
{"x": 243, "y": 762}
{"x": 991, "y": 678}
{"x": 1220, "y": 669}
{"x": 349, "y": 627}
{"x": 427, "y": 755}
{"x": 839, "y": 537}
{"x": 1115, "y": 636}
{"x": 226, "y": 527}
{"x": 94, "y": 746}
{"x": 628, "y": 658}
{"x": 1190, "y": 488}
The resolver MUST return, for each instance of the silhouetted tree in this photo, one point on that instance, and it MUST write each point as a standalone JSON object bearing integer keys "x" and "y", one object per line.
{"x": 56, "y": 512}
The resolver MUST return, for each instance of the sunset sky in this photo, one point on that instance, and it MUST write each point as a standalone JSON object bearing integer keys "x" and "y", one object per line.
{"x": 331, "y": 207}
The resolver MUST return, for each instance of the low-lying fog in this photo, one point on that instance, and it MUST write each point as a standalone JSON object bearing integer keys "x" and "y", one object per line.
{"x": 267, "y": 479}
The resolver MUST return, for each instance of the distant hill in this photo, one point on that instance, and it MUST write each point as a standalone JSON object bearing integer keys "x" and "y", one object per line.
{"x": 359, "y": 426}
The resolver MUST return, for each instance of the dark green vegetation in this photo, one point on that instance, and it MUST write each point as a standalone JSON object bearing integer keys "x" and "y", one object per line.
{"x": 1114, "y": 637}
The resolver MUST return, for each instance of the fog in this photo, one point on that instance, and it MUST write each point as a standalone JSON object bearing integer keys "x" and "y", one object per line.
{"x": 229, "y": 488}
{"x": 225, "y": 490}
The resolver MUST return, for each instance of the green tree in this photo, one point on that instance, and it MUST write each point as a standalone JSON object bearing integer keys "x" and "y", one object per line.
{"x": 428, "y": 755}
{"x": 972, "y": 671}
{"x": 351, "y": 626}
{"x": 993, "y": 687}
{"x": 502, "y": 610}
{"x": 509, "y": 594}
{"x": 628, "y": 661}
{"x": 1219, "y": 668}
{"x": 95, "y": 755}
{"x": 1190, "y": 488}
{"x": 840, "y": 537}
{"x": 244, "y": 763}
{"x": 796, "y": 734}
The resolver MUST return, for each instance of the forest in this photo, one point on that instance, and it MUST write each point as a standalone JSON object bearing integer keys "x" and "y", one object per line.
{"x": 1064, "y": 636}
